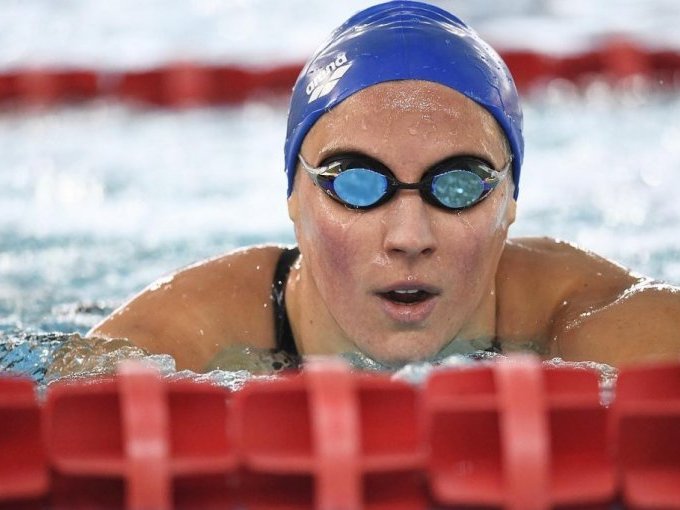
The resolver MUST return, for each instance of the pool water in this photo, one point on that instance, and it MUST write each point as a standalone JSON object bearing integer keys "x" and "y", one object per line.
{"x": 98, "y": 200}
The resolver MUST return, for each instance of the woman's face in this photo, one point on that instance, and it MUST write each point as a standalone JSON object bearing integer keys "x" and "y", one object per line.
{"x": 364, "y": 266}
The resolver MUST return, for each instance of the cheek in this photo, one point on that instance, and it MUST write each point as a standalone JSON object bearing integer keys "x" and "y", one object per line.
{"x": 331, "y": 240}
{"x": 477, "y": 243}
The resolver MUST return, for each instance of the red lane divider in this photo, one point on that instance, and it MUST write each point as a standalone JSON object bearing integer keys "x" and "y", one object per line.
{"x": 176, "y": 85}
{"x": 23, "y": 463}
{"x": 132, "y": 435}
{"x": 145, "y": 428}
{"x": 334, "y": 439}
{"x": 184, "y": 85}
{"x": 647, "y": 432}
{"x": 518, "y": 435}
{"x": 49, "y": 86}
{"x": 524, "y": 434}
{"x": 190, "y": 84}
{"x": 513, "y": 434}
{"x": 582, "y": 468}
{"x": 336, "y": 434}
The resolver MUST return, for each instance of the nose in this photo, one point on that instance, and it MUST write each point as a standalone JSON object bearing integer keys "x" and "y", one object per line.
{"x": 409, "y": 229}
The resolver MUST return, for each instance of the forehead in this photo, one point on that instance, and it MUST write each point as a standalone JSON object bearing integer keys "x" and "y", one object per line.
{"x": 411, "y": 96}
{"x": 407, "y": 115}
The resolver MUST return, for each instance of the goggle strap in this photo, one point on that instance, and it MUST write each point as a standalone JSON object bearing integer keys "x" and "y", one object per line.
{"x": 332, "y": 170}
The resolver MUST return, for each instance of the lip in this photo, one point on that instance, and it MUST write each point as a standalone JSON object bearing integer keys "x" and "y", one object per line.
{"x": 413, "y": 313}
{"x": 409, "y": 285}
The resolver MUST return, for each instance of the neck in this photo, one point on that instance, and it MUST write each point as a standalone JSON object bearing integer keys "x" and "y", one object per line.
{"x": 483, "y": 322}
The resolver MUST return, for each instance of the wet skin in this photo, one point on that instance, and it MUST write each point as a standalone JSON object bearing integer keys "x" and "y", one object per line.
{"x": 351, "y": 259}
{"x": 559, "y": 299}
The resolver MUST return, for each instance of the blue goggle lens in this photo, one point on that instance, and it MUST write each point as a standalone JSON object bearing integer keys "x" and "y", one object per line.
{"x": 360, "y": 187}
{"x": 457, "y": 188}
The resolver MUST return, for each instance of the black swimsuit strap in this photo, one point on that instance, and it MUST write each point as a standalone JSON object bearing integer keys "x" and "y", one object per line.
{"x": 284, "y": 334}
{"x": 495, "y": 346}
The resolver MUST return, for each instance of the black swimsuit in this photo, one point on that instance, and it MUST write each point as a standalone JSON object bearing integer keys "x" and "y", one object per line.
{"x": 284, "y": 334}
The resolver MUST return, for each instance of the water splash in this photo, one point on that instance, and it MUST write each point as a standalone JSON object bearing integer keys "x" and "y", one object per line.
{"x": 418, "y": 373}
{"x": 93, "y": 356}
{"x": 28, "y": 354}
{"x": 607, "y": 375}
{"x": 237, "y": 358}
{"x": 47, "y": 358}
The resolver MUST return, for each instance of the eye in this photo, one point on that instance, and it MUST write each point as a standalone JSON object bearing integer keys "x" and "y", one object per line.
{"x": 360, "y": 187}
{"x": 457, "y": 188}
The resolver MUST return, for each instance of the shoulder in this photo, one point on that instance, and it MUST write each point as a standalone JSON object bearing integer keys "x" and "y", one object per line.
{"x": 569, "y": 267}
{"x": 538, "y": 278}
{"x": 202, "y": 308}
{"x": 585, "y": 307}
{"x": 240, "y": 268}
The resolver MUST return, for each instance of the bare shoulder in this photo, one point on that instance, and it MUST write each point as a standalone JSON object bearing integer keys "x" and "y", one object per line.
{"x": 585, "y": 307}
{"x": 569, "y": 267}
{"x": 539, "y": 277}
{"x": 202, "y": 308}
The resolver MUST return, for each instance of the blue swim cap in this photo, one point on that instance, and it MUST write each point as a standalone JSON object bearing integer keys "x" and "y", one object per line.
{"x": 403, "y": 40}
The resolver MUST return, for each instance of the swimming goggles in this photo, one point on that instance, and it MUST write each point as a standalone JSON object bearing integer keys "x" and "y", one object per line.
{"x": 360, "y": 182}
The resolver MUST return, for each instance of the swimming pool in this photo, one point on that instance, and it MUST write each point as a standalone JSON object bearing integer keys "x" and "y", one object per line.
{"x": 97, "y": 200}
{"x": 100, "y": 199}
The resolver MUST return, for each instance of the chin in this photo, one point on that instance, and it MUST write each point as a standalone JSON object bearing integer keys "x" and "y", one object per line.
{"x": 402, "y": 348}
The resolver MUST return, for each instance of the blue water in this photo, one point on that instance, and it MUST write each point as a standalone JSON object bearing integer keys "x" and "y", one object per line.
{"x": 138, "y": 33}
{"x": 98, "y": 200}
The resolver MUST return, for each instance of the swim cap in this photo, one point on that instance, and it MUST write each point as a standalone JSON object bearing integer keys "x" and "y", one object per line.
{"x": 403, "y": 40}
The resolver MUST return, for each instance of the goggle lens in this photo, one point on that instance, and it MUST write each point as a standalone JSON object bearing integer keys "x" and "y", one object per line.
{"x": 360, "y": 187}
{"x": 458, "y": 188}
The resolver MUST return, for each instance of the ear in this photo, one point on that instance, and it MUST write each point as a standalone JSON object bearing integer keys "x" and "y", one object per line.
{"x": 511, "y": 212}
{"x": 293, "y": 206}
{"x": 511, "y": 205}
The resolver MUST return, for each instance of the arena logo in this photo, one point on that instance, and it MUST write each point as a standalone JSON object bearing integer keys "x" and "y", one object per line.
{"x": 325, "y": 79}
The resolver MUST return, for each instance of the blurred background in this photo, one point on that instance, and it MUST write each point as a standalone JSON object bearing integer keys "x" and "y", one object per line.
{"x": 100, "y": 195}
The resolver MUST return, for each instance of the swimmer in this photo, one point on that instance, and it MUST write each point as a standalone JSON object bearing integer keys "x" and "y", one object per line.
{"x": 403, "y": 156}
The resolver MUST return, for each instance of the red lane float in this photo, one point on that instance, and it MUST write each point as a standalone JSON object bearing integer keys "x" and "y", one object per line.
{"x": 513, "y": 434}
{"x": 342, "y": 440}
{"x": 646, "y": 426}
{"x": 23, "y": 464}
{"x": 38, "y": 87}
{"x": 189, "y": 84}
{"x": 185, "y": 84}
{"x": 133, "y": 436}
{"x": 518, "y": 435}
{"x": 177, "y": 85}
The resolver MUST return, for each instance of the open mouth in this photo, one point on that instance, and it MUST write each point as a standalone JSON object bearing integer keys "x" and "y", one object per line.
{"x": 407, "y": 296}
{"x": 409, "y": 304}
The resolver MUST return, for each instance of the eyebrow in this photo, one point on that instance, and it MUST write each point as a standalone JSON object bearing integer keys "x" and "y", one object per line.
{"x": 346, "y": 151}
